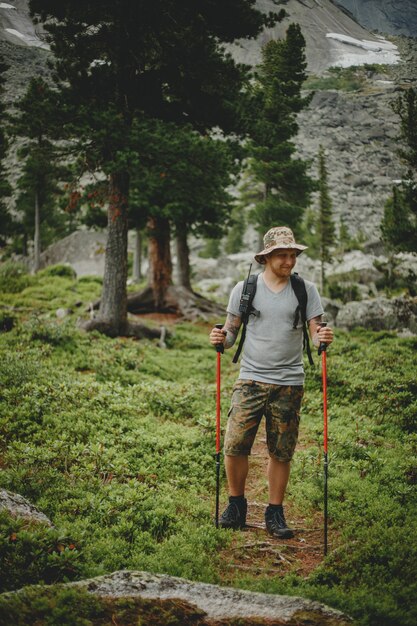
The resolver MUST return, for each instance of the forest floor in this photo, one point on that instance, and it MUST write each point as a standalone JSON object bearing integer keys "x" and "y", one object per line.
{"x": 254, "y": 552}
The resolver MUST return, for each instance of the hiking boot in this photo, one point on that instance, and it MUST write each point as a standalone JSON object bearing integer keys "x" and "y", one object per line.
{"x": 234, "y": 516}
{"x": 275, "y": 523}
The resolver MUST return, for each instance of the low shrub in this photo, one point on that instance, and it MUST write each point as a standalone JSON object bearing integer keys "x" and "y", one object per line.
{"x": 346, "y": 292}
{"x": 114, "y": 440}
{"x": 36, "y": 554}
{"x": 62, "y": 270}
{"x": 14, "y": 277}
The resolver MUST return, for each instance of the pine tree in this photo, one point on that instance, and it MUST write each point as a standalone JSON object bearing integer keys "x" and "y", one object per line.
{"x": 236, "y": 232}
{"x": 37, "y": 123}
{"x": 120, "y": 61}
{"x": 273, "y": 104}
{"x": 325, "y": 225}
{"x": 180, "y": 185}
{"x": 6, "y": 222}
{"x": 399, "y": 225}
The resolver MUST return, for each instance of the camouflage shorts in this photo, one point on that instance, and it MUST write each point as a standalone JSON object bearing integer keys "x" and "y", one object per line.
{"x": 279, "y": 404}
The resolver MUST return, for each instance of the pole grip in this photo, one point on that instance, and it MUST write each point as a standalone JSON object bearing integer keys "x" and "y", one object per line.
{"x": 322, "y": 346}
{"x": 219, "y": 346}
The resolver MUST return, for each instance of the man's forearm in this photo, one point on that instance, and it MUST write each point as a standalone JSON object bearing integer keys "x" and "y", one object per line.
{"x": 232, "y": 325}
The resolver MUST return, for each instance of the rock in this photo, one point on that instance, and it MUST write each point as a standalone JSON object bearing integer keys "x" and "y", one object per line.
{"x": 331, "y": 310}
{"x": 61, "y": 313}
{"x": 18, "y": 506}
{"x": 205, "y": 268}
{"x": 218, "y": 603}
{"x": 309, "y": 268}
{"x": 380, "y": 314}
{"x": 357, "y": 266}
{"x": 406, "y": 264}
{"x": 215, "y": 287}
{"x": 393, "y": 17}
{"x": 83, "y": 250}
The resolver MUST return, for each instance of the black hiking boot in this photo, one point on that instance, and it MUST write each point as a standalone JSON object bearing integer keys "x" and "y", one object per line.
{"x": 275, "y": 523}
{"x": 234, "y": 516}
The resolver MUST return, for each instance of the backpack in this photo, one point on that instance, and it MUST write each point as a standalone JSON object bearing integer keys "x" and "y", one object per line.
{"x": 246, "y": 309}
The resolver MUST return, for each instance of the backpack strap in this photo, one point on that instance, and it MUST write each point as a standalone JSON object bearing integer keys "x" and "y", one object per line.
{"x": 246, "y": 309}
{"x": 299, "y": 288}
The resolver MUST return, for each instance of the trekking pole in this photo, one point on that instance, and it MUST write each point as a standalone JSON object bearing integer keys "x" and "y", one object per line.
{"x": 219, "y": 351}
{"x": 322, "y": 351}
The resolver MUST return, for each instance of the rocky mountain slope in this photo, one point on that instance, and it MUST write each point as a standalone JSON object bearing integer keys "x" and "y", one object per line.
{"x": 357, "y": 129}
{"x": 332, "y": 36}
{"x": 393, "y": 17}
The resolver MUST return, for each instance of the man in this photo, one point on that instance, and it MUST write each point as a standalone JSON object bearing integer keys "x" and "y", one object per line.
{"x": 271, "y": 378}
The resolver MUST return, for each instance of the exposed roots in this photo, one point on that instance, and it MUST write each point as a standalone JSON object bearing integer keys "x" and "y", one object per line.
{"x": 189, "y": 305}
{"x": 128, "y": 329}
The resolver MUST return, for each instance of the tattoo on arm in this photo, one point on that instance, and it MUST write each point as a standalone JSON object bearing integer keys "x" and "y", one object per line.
{"x": 313, "y": 326}
{"x": 232, "y": 325}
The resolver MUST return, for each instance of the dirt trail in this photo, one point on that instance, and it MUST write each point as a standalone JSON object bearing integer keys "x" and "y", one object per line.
{"x": 252, "y": 550}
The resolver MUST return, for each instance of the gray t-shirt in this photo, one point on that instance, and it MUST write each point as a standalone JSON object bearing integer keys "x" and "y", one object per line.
{"x": 273, "y": 349}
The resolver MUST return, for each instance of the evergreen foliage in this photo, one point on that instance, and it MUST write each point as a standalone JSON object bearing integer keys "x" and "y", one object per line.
{"x": 183, "y": 176}
{"x": 236, "y": 232}
{"x": 273, "y": 103}
{"x": 6, "y": 222}
{"x": 406, "y": 107}
{"x": 120, "y": 63}
{"x": 399, "y": 225}
{"x": 114, "y": 441}
{"x": 325, "y": 226}
{"x": 37, "y": 122}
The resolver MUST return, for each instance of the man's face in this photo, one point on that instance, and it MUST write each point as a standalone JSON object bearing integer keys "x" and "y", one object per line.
{"x": 282, "y": 261}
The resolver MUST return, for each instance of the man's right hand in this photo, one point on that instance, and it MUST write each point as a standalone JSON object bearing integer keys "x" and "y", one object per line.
{"x": 217, "y": 336}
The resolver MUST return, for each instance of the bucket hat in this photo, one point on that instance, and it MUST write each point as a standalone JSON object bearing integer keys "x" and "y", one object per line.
{"x": 278, "y": 237}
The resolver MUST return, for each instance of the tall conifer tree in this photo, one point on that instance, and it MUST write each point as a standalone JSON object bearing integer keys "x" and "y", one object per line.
{"x": 180, "y": 185}
{"x": 273, "y": 105}
{"x": 399, "y": 225}
{"x": 37, "y": 122}
{"x": 6, "y": 222}
{"x": 325, "y": 224}
{"x": 121, "y": 60}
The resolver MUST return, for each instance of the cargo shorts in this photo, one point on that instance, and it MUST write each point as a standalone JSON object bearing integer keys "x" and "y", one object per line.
{"x": 280, "y": 404}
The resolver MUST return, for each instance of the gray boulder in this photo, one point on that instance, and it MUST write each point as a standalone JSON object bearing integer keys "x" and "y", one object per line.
{"x": 83, "y": 250}
{"x": 218, "y": 603}
{"x": 18, "y": 506}
{"x": 357, "y": 266}
{"x": 379, "y": 314}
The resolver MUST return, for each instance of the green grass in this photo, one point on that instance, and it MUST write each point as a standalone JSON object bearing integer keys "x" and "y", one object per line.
{"x": 114, "y": 440}
{"x": 354, "y": 78}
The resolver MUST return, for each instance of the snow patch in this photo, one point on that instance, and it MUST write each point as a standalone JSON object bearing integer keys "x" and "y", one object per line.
{"x": 3, "y": 5}
{"x": 30, "y": 41}
{"x": 351, "y": 51}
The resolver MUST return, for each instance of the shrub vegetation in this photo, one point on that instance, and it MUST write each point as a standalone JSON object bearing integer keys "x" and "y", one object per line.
{"x": 113, "y": 439}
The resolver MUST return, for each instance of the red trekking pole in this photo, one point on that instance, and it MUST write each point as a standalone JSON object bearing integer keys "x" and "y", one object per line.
{"x": 219, "y": 351}
{"x": 322, "y": 351}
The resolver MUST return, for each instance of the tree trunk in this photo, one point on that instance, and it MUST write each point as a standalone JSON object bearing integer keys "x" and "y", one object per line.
{"x": 25, "y": 245}
{"x": 137, "y": 256}
{"x": 160, "y": 296}
{"x": 183, "y": 258}
{"x": 113, "y": 304}
{"x": 37, "y": 235}
{"x": 160, "y": 264}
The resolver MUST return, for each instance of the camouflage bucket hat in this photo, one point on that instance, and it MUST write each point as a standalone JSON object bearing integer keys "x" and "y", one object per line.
{"x": 278, "y": 237}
